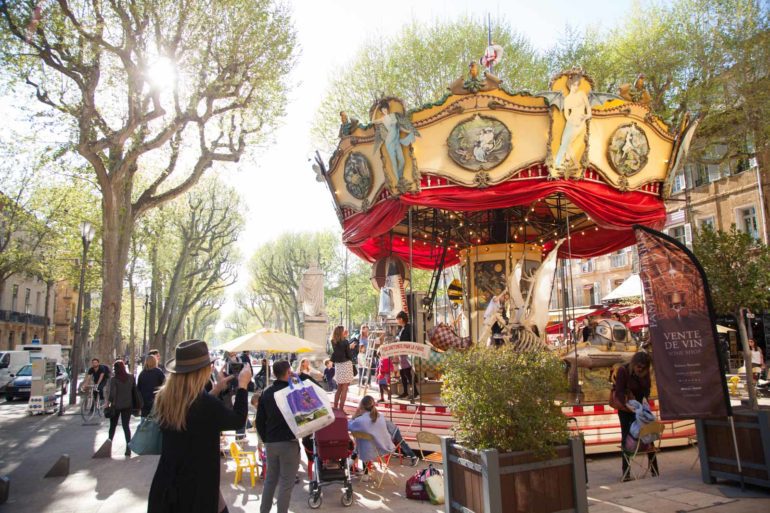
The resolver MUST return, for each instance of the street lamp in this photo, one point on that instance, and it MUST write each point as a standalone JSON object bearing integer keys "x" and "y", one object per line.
{"x": 147, "y": 303}
{"x": 86, "y": 236}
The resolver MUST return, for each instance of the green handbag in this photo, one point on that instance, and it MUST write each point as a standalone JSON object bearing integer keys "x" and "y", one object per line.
{"x": 148, "y": 439}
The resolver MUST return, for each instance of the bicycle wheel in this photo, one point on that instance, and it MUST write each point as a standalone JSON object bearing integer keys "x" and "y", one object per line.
{"x": 88, "y": 408}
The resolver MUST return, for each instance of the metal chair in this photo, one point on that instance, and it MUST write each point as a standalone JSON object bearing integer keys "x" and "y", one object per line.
{"x": 382, "y": 458}
{"x": 648, "y": 451}
{"x": 428, "y": 438}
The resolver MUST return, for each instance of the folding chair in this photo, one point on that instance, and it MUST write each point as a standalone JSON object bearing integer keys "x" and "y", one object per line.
{"x": 648, "y": 451}
{"x": 426, "y": 437}
{"x": 382, "y": 458}
{"x": 244, "y": 460}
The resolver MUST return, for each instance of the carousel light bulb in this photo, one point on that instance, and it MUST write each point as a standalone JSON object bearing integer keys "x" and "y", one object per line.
{"x": 521, "y": 228}
{"x": 525, "y": 219}
{"x": 461, "y": 223}
{"x": 596, "y": 228}
{"x": 582, "y": 233}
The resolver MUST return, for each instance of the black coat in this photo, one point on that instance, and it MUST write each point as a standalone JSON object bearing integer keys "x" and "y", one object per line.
{"x": 187, "y": 477}
{"x": 148, "y": 383}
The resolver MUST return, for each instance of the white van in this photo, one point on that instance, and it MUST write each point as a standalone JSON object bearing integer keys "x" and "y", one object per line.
{"x": 10, "y": 363}
{"x": 56, "y": 352}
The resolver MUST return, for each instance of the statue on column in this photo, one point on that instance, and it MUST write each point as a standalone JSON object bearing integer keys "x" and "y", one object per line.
{"x": 311, "y": 291}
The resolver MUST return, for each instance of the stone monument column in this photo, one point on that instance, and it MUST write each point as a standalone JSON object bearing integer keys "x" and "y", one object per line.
{"x": 314, "y": 322}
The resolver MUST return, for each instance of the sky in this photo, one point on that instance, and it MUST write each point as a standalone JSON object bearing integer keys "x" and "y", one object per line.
{"x": 278, "y": 184}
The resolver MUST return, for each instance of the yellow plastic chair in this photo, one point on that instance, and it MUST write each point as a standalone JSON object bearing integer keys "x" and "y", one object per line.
{"x": 244, "y": 460}
{"x": 382, "y": 458}
{"x": 734, "y": 385}
{"x": 635, "y": 469}
{"x": 428, "y": 438}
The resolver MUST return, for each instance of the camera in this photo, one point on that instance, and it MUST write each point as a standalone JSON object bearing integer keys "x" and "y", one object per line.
{"x": 234, "y": 368}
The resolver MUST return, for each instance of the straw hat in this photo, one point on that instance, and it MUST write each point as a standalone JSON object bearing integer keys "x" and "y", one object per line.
{"x": 190, "y": 356}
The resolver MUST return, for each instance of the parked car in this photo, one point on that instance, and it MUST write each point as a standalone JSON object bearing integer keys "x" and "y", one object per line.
{"x": 10, "y": 363}
{"x": 20, "y": 385}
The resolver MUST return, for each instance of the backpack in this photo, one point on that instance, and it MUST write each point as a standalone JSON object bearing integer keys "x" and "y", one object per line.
{"x": 415, "y": 485}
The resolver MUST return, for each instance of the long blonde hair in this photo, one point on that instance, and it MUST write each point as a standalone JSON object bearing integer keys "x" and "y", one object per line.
{"x": 177, "y": 395}
{"x": 337, "y": 335}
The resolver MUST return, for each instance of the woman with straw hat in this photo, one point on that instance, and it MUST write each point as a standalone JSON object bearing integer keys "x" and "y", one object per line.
{"x": 187, "y": 477}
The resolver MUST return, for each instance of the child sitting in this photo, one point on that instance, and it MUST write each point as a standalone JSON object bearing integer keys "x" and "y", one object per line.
{"x": 331, "y": 384}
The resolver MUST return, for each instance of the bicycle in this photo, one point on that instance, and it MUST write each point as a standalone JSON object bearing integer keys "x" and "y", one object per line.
{"x": 90, "y": 406}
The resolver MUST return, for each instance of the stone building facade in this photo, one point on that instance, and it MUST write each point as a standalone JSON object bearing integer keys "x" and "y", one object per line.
{"x": 22, "y": 311}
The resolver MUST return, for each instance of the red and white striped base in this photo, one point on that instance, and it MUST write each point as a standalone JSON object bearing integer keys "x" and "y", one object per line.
{"x": 597, "y": 422}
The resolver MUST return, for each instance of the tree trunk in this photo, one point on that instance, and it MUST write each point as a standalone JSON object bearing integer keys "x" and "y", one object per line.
{"x": 746, "y": 358}
{"x": 118, "y": 224}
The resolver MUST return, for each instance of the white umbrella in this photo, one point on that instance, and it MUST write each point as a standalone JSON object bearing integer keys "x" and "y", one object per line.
{"x": 631, "y": 287}
{"x": 272, "y": 341}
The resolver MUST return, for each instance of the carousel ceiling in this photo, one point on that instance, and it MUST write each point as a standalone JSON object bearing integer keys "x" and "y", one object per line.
{"x": 485, "y": 165}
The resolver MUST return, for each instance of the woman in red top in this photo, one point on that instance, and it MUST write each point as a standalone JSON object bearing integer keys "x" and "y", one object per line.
{"x": 383, "y": 378}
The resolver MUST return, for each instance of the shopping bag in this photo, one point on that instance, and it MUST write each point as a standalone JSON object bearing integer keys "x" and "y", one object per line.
{"x": 304, "y": 406}
{"x": 434, "y": 485}
{"x": 415, "y": 485}
{"x": 147, "y": 439}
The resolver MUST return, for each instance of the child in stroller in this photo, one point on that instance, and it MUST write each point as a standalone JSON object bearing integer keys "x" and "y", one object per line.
{"x": 330, "y": 449}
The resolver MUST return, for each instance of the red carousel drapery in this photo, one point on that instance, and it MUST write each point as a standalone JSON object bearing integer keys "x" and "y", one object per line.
{"x": 367, "y": 234}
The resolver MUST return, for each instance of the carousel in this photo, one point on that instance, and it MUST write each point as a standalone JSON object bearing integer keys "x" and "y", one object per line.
{"x": 494, "y": 191}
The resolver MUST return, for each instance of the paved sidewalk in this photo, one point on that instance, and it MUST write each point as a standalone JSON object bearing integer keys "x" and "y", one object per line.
{"x": 30, "y": 445}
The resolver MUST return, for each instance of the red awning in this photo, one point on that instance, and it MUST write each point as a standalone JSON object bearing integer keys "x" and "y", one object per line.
{"x": 367, "y": 234}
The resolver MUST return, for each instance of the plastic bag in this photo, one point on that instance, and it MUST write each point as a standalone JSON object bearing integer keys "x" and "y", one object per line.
{"x": 415, "y": 485}
{"x": 304, "y": 406}
{"x": 434, "y": 485}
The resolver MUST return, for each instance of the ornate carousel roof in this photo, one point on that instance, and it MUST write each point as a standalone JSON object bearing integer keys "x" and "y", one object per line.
{"x": 487, "y": 165}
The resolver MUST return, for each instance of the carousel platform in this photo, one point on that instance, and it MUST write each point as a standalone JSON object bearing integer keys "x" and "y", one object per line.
{"x": 597, "y": 422}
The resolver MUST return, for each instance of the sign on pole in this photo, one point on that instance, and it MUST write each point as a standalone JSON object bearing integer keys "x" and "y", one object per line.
{"x": 404, "y": 348}
{"x": 686, "y": 356}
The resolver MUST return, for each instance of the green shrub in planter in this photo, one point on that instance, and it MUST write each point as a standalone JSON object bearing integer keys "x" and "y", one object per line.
{"x": 506, "y": 400}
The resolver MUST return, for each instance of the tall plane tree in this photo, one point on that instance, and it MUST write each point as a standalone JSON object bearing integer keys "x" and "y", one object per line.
{"x": 160, "y": 90}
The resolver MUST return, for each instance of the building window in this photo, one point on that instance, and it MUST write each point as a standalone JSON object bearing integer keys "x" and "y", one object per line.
{"x": 37, "y": 302}
{"x": 707, "y": 222}
{"x": 14, "y": 297}
{"x": 587, "y": 266}
{"x": 679, "y": 183}
{"x": 27, "y": 294}
{"x": 747, "y": 221}
{"x": 678, "y": 233}
{"x": 618, "y": 259}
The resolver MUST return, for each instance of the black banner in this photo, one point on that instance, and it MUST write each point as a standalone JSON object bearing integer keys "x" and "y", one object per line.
{"x": 686, "y": 356}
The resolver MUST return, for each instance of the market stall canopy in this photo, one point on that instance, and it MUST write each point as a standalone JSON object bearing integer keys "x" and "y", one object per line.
{"x": 631, "y": 287}
{"x": 271, "y": 341}
{"x": 487, "y": 165}
{"x": 642, "y": 321}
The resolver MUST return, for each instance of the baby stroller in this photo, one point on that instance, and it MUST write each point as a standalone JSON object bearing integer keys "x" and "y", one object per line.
{"x": 331, "y": 451}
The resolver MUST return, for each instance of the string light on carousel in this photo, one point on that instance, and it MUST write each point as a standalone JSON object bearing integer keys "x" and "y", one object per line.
{"x": 504, "y": 188}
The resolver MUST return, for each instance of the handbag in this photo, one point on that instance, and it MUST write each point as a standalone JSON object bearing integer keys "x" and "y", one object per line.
{"x": 415, "y": 485}
{"x": 109, "y": 412}
{"x": 137, "y": 403}
{"x": 434, "y": 485}
{"x": 148, "y": 439}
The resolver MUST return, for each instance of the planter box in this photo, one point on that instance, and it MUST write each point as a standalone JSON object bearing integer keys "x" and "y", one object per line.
{"x": 492, "y": 482}
{"x": 717, "y": 452}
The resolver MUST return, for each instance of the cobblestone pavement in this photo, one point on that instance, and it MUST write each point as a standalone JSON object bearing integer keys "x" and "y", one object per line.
{"x": 30, "y": 445}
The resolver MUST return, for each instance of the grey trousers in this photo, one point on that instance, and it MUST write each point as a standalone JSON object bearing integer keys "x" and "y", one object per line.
{"x": 282, "y": 465}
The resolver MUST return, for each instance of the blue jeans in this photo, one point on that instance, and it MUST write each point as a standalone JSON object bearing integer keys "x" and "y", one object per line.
{"x": 405, "y": 449}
